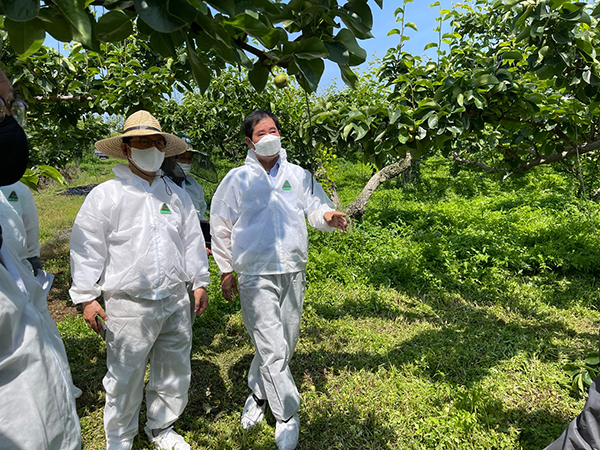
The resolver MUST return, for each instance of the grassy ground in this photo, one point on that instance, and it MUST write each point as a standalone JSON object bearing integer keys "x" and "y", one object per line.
{"x": 442, "y": 320}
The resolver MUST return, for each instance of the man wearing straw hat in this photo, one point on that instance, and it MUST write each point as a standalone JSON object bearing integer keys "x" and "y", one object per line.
{"x": 137, "y": 239}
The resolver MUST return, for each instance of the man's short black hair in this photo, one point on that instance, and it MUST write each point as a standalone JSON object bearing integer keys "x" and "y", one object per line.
{"x": 254, "y": 117}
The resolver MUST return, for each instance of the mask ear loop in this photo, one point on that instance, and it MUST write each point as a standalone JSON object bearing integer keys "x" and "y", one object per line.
{"x": 168, "y": 189}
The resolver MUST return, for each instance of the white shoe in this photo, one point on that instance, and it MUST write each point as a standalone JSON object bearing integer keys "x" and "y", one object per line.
{"x": 121, "y": 445}
{"x": 167, "y": 440}
{"x": 252, "y": 413}
{"x": 287, "y": 433}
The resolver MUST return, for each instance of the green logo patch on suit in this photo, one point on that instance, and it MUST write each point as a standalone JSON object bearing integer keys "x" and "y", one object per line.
{"x": 13, "y": 197}
{"x": 287, "y": 186}
{"x": 165, "y": 209}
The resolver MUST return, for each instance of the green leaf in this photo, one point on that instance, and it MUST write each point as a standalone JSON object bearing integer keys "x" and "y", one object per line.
{"x": 363, "y": 11}
{"x": 114, "y": 26}
{"x": 579, "y": 15}
{"x": 53, "y": 173}
{"x": 25, "y": 37}
{"x": 258, "y": 76}
{"x": 394, "y": 115}
{"x": 337, "y": 52}
{"x": 432, "y": 122}
{"x": 430, "y": 45}
{"x": 241, "y": 58}
{"x": 30, "y": 179}
{"x": 223, "y": 6}
{"x": 347, "y": 129}
{"x": 411, "y": 25}
{"x": 200, "y": 72}
{"x": 356, "y": 15}
{"x": 525, "y": 33}
{"x": 165, "y": 17}
{"x": 357, "y": 55}
{"x": 348, "y": 76}
{"x": 485, "y": 79}
{"x": 143, "y": 27}
{"x": 267, "y": 36}
{"x": 163, "y": 44}
{"x": 311, "y": 71}
{"x": 78, "y": 19}
{"x": 200, "y": 6}
{"x": 56, "y": 24}
{"x": 592, "y": 359}
{"x": 514, "y": 55}
{"x": 21, "y": 10}
{"x": 310, "y": 48}
{"x": 361, "y": 129}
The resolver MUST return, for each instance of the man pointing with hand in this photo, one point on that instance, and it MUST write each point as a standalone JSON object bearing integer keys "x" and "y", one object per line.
{"x": 258, "y": 227}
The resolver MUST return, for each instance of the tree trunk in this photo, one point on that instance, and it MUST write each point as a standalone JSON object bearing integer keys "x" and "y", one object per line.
{"x": 358, "y": 206}
{"x": 328, "y": 185}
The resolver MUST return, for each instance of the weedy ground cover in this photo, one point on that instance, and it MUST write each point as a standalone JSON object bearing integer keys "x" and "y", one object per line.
{"x": 442, "y": 320}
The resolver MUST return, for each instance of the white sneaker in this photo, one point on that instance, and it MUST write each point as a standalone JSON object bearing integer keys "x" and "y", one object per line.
{"x": 167, "y": 440}
{"x": 252, "y": 413}
{"x": 287, "y": 433}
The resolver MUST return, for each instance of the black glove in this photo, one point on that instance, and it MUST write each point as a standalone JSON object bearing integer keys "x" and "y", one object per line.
{"x": 35, "y": 264}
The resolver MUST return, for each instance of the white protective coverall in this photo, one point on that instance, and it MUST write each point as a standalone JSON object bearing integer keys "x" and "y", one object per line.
{"x": 195, "y": 191}
{"x": 37, "y": 407}
{"x": 20, "y": 198}
{"x": 259, "y": 230}
{"x": 140, "y": 244}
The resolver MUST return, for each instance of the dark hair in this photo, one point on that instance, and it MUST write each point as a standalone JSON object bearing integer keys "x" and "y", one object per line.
{"x": 254, "y": 117}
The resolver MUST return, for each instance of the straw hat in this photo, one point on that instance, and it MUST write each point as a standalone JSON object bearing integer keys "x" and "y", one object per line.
{"x": 140, "y": 123}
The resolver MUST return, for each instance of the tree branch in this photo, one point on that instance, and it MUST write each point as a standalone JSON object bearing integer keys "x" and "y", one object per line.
{"x": 475, "y": 164}
{"x": 538, "y": 161}
{"x": 358, "y": 206}
{"x": 587, "y": 148}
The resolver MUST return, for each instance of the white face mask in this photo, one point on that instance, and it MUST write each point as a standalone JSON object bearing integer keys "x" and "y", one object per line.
{"x": 148, "y": 159}
{"x": 268, "y": 145}
{"x": 187, "y": 168}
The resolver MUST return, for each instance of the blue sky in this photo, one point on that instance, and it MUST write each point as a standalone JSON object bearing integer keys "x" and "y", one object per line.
{"x": 384, "y": 20}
